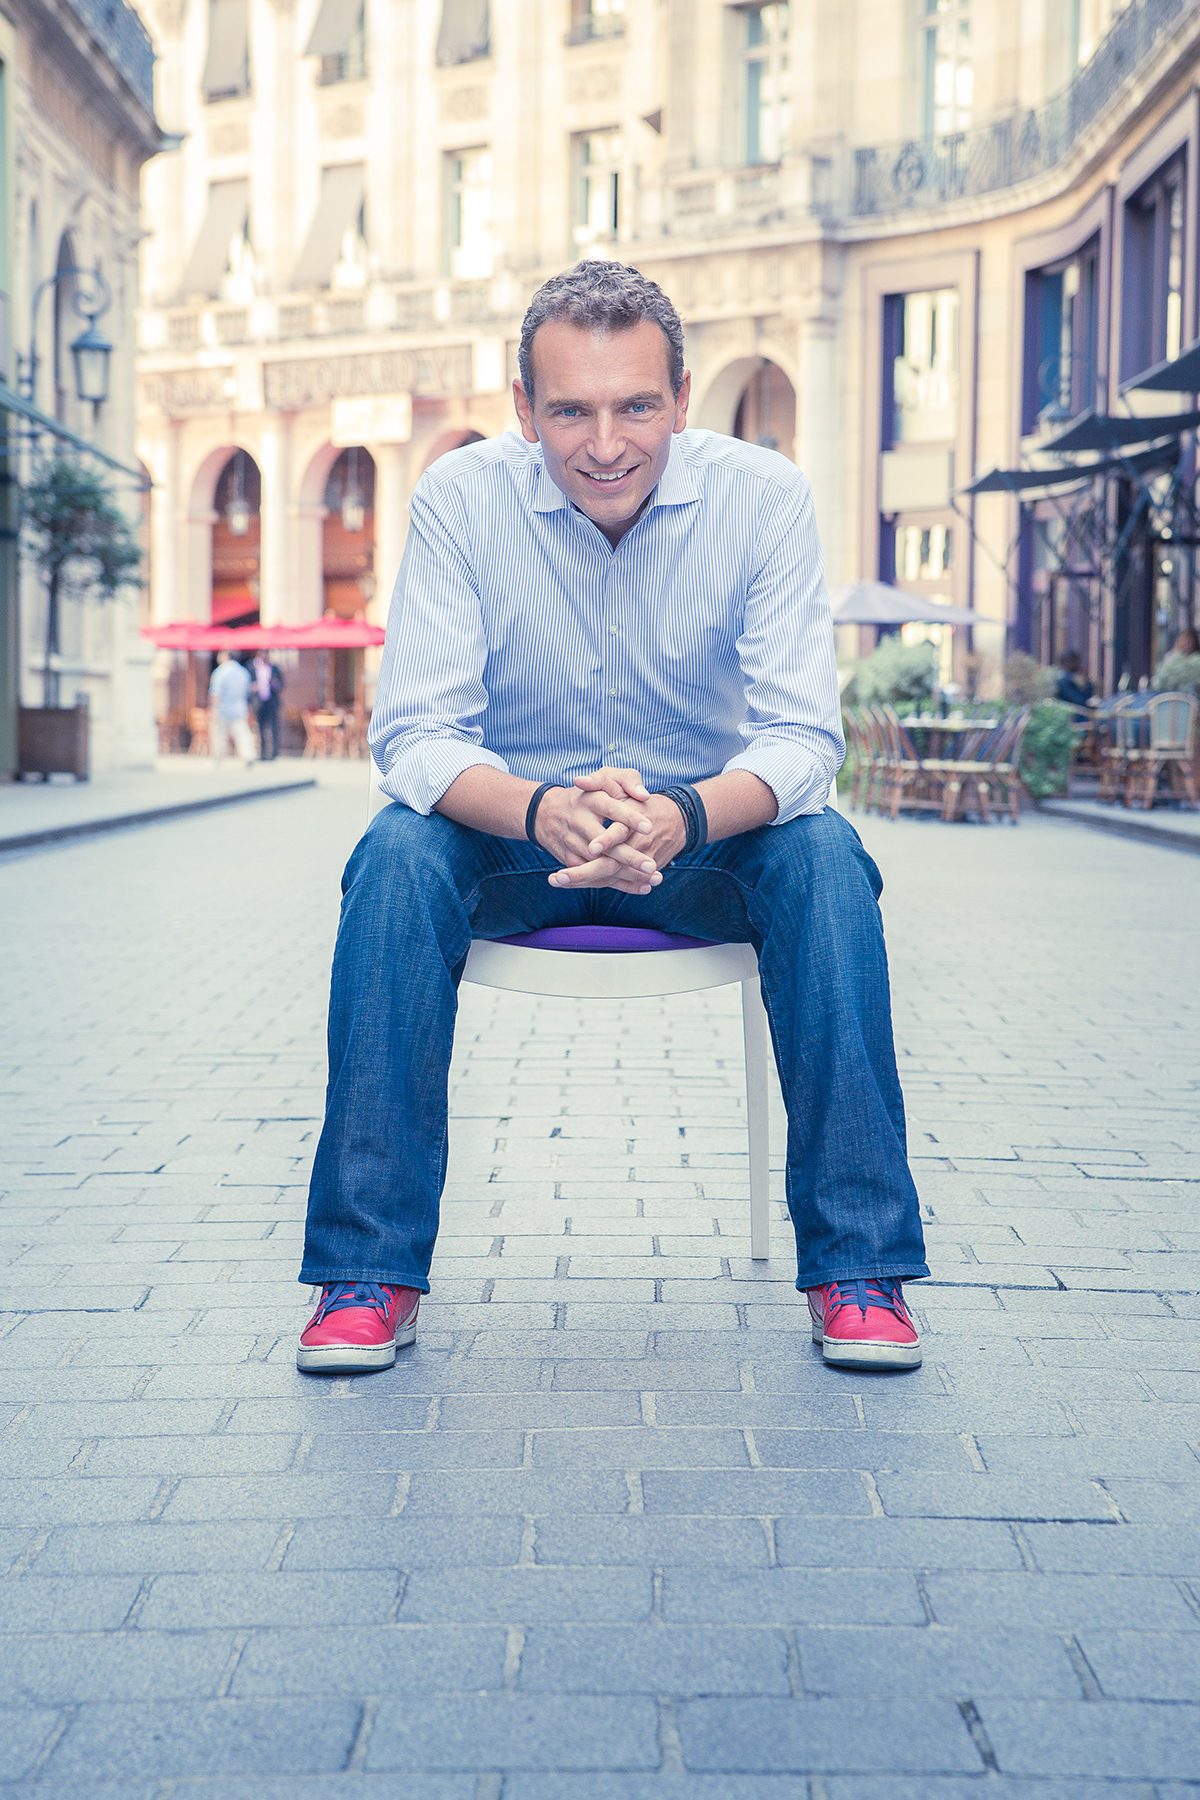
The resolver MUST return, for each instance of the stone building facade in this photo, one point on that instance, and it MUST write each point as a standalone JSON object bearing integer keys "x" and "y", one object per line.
{"x": 861, "y": 207}
{"x": 79, "y": 125}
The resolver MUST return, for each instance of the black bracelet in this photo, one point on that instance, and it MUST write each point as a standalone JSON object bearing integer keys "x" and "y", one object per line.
{"x": 535, "y": 800}
{"x": 695, "y": 818}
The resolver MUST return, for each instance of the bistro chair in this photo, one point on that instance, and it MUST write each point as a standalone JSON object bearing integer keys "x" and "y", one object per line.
{"x": 602, "y": 962}
{"x": 911, "y": 781}
{"x": 1126, "y": 732}
{"x": 1168, "y": 741}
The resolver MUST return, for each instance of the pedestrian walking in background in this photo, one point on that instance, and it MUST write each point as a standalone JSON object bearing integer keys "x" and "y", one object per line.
{"x": 229, "y": 710}
{"x": 613, "y": 590}
{"x": 267, "y": 678}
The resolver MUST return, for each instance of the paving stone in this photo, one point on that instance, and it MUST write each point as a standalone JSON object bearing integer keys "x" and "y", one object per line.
{"x": 564, "y": 1528}
{"x": 654, "y": 1659}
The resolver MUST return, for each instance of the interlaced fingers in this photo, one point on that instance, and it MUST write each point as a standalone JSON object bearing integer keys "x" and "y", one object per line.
{"x": 883, "y": 1290}
{"x": 339, "y": 1294}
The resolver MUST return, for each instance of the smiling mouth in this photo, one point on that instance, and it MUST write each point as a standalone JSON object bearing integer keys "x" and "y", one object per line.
{"x": 611, "y": 479}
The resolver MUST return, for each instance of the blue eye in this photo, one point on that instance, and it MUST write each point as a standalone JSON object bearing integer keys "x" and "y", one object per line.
{"x": 639, "y": 406}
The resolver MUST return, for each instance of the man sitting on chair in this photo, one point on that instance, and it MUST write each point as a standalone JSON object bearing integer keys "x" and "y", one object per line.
{"x": 608, "y": 696}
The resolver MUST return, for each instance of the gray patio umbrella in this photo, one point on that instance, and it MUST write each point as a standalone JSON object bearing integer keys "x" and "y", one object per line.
{"x": 878, "y": 603}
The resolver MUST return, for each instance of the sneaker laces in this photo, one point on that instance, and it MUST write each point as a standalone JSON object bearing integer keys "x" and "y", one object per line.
{"x": 882, "y": 1290}
{"x": 338, "y": 1294}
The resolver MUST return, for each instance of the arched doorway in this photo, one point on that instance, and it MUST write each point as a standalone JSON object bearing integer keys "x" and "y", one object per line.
{"x": 348, "y": 561}
{"x": 766, "y": 410}
{"x": 452, "y": 440}
{"x": 236, "y": 536}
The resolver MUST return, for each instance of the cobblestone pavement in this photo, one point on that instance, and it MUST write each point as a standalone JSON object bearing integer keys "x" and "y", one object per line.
{"x": 611, "y": 1531}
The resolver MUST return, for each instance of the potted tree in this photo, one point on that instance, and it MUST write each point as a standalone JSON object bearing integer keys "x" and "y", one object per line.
{"x": 80, "y": 542}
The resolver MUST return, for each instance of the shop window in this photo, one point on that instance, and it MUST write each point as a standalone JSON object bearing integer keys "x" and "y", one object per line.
{"x": 764, "y": 68}
{"x": 921, "y": 364}
{"x": 1152, "y": 271}
{"x": 1061, "y": 338}
{"x": 948, "y": 77}
{"x": 468, "y": 179}
{"x": 596, "y": 158}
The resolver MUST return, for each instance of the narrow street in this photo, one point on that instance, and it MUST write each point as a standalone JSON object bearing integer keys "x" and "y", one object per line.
{"x": 610, "y": 1531}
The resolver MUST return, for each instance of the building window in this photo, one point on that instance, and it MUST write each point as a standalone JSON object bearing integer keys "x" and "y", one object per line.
{"x": 339, "y": 38}
{"x": 1061, "y": 338}
{"x": 596, "y": 162}
{"x": 592, "y": 19}
{"x": 765, "y": 99}
{"x": 1152, "y": 272}
{"x": 227, "y": 64}
{"x": 469, "y": 214}
{"x": 921, "y": 340}
{"x": 947, "y": 74}
{"x": 464, "y": 32}
{"x": 922, "y": 552}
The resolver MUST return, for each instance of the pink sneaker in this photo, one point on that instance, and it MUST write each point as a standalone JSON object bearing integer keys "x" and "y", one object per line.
{"x": 358, "y": 1325}
{"x": 864, "y": 1324}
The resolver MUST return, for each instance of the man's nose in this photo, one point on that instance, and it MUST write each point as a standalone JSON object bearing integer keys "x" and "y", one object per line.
{"x": 607, "y": 444}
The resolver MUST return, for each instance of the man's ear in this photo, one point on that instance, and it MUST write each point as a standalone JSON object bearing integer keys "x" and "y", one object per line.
{"x": 524, "y": 412}
{"x": 681, "y": 401}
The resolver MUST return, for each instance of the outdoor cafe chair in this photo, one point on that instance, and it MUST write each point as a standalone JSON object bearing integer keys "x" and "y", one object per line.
{"x": 602, "y": 962}
{"x": 1168, "y": 741}
{"x": 1126, "y": 722}
{"x": 991, "y": 761}
{"x": 911, "y": 781}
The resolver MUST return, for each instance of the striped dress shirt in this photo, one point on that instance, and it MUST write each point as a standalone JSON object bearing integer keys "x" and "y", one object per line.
{"x": 520, "y": 639}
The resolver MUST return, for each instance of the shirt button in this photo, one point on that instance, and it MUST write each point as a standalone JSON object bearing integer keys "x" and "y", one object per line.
{"x": 609, "y": 747}
{"x": 613, "y": 629}
{"x": 612, "y": 693}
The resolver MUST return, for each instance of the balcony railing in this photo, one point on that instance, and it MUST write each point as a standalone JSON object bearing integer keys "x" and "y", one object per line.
{"x": 930, "y": 171}
{"x": 125, "y": 39}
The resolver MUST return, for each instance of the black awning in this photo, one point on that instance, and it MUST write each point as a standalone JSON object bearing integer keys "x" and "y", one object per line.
{"x": 1034, "y": 484}
{"x": 1103, "y": 431}
{"x": 1178, "y": 375}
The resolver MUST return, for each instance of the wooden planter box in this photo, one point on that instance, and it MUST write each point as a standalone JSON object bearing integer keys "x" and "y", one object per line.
{"x": 53, "y": 740}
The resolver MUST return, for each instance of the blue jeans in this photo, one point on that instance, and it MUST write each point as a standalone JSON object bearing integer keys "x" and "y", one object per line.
{"x": 417, "y": 890}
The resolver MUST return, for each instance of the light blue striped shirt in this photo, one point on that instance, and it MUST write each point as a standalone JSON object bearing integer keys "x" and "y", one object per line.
{"x": 519, "y": 638}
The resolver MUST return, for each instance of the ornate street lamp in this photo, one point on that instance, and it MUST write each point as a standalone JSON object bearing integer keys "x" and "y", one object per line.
{"x": 91, "y": 350}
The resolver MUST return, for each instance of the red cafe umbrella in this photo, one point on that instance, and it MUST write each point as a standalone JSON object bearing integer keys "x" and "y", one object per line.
{"x": 322, "y": 634}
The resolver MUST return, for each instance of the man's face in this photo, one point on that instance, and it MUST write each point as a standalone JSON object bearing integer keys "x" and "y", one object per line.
{"x": 604, "y": 415}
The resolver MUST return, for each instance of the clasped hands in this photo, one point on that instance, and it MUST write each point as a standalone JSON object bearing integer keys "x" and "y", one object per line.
{"x": 629, "y": 853}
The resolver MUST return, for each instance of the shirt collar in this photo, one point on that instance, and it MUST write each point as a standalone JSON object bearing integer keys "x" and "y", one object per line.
{"x": 675, "y": 484}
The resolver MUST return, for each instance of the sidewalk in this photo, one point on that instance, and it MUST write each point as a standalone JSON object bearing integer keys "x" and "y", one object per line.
{"x": 1166, "y": 825}
{"x": 34, "y": 812}
{"x": 610, "y": 1531}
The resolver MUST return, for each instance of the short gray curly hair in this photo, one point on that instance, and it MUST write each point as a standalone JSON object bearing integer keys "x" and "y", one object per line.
{"x": 602, "y": 296}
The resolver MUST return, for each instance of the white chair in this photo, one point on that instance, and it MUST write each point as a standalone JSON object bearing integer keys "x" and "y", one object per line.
{"x": 637, "y": 974}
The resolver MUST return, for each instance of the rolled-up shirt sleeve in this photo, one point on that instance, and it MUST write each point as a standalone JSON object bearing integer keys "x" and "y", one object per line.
{"x": 430, "y": 698}
{"x": 792, "y": 729}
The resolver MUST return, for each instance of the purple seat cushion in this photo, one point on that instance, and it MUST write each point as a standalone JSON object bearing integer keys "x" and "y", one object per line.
{"x": 604, "y": 939}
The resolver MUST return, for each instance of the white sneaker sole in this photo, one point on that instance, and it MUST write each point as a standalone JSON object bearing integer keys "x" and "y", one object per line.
{"x": 355, "y": 1359}
{"x": 864, "y": 1354}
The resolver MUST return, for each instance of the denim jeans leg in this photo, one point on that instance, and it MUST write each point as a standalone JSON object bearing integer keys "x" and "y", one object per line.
{"x": 806, "y": 895}
{"x": 409, "y": 894}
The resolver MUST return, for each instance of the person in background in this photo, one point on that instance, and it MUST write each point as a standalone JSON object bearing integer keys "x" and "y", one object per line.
{"x": 1186, "y": 644}
{"x": 267, "y": 681}
{"x": 1073, "y": 687}
{"x": 228, "y": 695}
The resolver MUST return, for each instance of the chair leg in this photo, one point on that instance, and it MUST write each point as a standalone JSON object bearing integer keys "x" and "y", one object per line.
{"x": 754, "y": 1036}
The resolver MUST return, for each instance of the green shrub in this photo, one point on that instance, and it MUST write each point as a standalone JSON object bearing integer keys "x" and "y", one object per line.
{"x": 895, "y": 674}
{"x": 1026, "y": 681}
{"x": 1046, "y": 749}
{"x": 1178, "y": 674}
